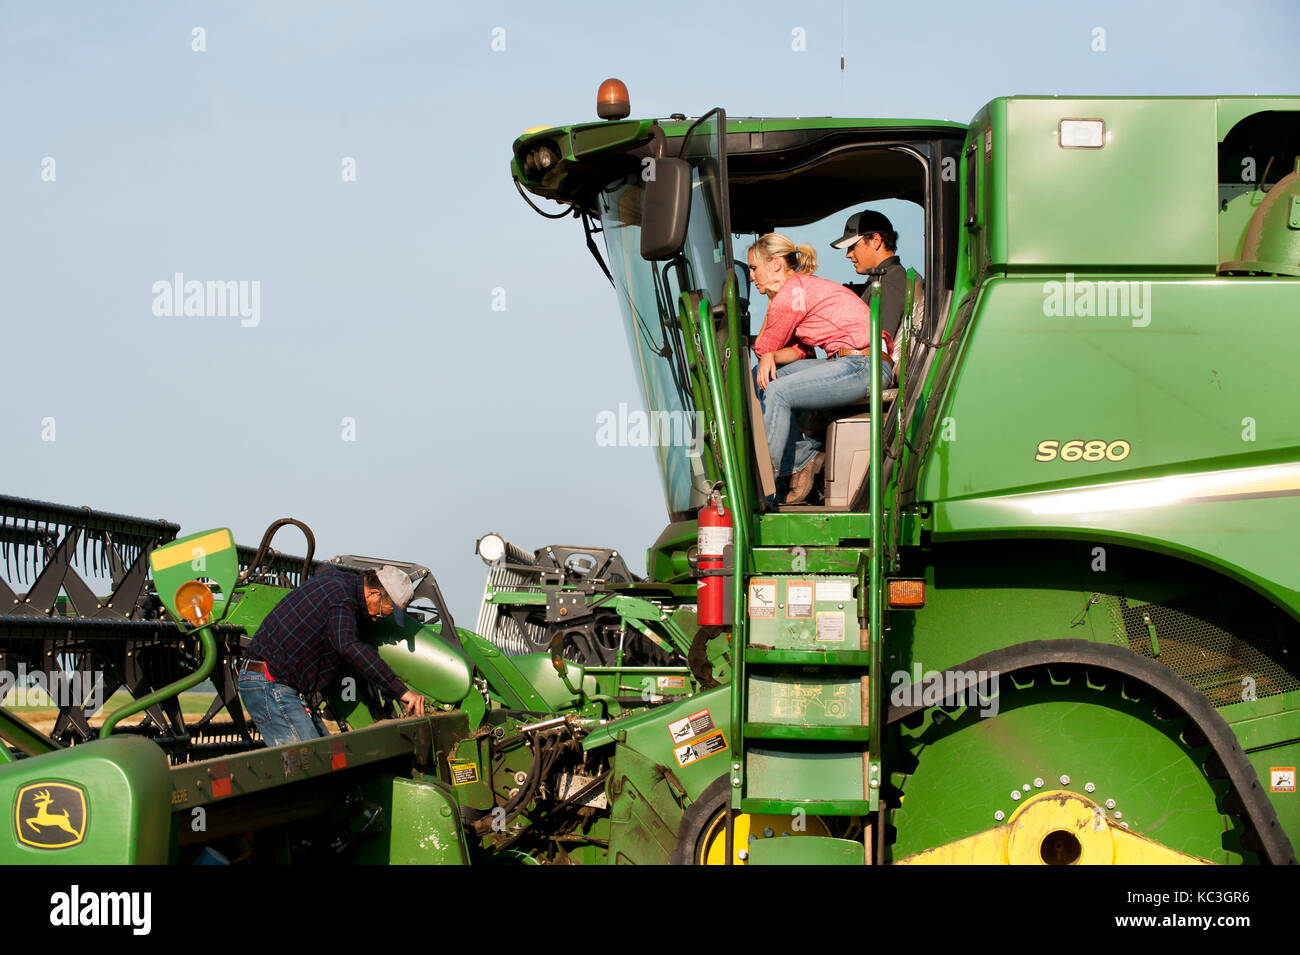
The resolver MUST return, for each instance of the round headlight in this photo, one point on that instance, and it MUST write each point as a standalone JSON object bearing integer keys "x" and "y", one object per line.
{"x": 491, "y": 547}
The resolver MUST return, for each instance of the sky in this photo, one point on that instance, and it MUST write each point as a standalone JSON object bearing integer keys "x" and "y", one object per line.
{"x": 427, "y": 359}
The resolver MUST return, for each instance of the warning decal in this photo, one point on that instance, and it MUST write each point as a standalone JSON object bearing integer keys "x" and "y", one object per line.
{"x": 703, "y": 747}
{"x": 762, "y": 598}
{"x": 799, "y": 600}
{"x": 1281, "y": 779}
{"x": 689, "y": 727}
{"x": 462, "y": 774}
{"x": 670, "y": 683}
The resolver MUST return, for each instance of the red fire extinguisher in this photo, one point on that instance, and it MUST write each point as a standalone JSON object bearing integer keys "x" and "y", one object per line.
{"x": 715, "y": 530}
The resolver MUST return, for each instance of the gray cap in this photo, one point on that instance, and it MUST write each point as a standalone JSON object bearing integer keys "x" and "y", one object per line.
{"x": 398, "y": 587}
{"x": 862, "y": 223}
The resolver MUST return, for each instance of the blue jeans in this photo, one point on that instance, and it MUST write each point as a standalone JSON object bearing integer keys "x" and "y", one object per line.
{"x": 280, "y": 714}
{"x": 806, "y": 385}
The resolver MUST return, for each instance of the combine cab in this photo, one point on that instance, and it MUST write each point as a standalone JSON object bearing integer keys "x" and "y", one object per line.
{"x": 1049, "y": 584}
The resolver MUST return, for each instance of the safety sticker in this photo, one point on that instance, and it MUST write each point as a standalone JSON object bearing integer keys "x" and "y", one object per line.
{"x": 799, "y": 600}
{"x": 1281, "y": 779}
{"x": 762, "y": 598}
{"x": 830, "y": 627}
{"x": 462, "y": 774}
{"x": 704, "y": 747}
{"x": 670, "y": 682}
{"x": 840, "y": 591}
{"x": 689, "y": 727}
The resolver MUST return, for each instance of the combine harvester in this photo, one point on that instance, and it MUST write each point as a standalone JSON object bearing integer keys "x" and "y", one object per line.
{"x": 1046, "y": 613}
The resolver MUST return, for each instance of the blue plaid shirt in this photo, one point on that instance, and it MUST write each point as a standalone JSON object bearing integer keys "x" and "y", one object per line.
{"x": 313, "y": 630}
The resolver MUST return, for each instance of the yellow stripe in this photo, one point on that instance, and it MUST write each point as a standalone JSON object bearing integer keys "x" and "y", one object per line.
{"x": 182, "y": 551}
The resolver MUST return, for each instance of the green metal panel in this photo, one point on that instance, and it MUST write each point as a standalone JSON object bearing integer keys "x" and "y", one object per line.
{"x": 421, "y": 659}
{"x": 826, "y": 778}
{"x": 1147, "y": 198}
{"x": 803, "y": 613}
{"x": 421, "y": 824}
{"x": 803, "y": 696}
{"x": 1170, "y": 385}
{"x": 106, "y": 802}
{"x": 1231, "y": 110}
{"x": 806, "y": 850}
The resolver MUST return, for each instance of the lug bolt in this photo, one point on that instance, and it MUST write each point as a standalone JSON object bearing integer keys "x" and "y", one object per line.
{"x": 1015, "y": 794}
{"x": 1089, "y": 787}
{"x": 1025, "y": 787}
{"x": 1118, "y": 814}
{"x": 742, "y": 855}
{"x": 768, "y": 833}
{"x": 1065, "y": 780}
{"x": 1110, "y": 804}
{"x": 1038, "y": 782}
{"x": 999, "y": 815}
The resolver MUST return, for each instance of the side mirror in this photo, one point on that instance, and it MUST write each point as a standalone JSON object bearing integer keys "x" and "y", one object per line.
{"x": 665, "y": 209}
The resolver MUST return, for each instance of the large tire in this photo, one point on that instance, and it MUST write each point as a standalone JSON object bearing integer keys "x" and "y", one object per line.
{"x": 699, "y": 818}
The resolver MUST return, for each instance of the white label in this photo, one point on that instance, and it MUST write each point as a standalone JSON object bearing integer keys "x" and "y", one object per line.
{"x": 840, "y": 591}
{"x": 1082, "y": 133}
{"x": 830, "y": 627}
{"x": 799, "y": 600}
{"x": 712, "y": 540}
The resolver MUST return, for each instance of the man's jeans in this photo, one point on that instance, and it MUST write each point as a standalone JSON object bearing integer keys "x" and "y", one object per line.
{"x": 278, "y": 711}
{"x": 806, "y": 385}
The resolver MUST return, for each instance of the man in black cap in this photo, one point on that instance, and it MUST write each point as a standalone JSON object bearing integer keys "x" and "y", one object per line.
{"x": 869, "y": 242}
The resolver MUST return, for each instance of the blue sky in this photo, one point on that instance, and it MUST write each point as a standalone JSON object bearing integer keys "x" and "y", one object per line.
{"x": 376, "y": 294}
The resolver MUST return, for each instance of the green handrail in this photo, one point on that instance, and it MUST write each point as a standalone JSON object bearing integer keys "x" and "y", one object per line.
{"x": 204, "y": 634}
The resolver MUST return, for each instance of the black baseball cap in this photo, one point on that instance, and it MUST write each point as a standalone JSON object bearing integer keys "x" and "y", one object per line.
{"x": 862, "y": 223}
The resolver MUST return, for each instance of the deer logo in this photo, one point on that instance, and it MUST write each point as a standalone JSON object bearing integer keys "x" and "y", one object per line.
{"x": 50, "y": 815}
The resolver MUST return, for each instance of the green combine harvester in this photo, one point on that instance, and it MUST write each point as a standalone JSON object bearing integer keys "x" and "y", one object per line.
{"x": 1046, "y": 609}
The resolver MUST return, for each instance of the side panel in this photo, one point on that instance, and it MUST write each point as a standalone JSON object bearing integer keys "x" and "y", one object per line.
{"x": 1183, "y": 383}
{"x": 1148, "y": 197}
{"x": 106, "y": 802}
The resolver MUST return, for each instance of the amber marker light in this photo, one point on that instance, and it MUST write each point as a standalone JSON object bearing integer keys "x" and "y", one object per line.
{"x": 194, "y": 602}
{"x": 905, "y": 594}
{"x": 612, "y": 100}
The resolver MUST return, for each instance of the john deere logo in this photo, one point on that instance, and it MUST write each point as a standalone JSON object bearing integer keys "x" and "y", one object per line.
{"x": 50, "y": 815}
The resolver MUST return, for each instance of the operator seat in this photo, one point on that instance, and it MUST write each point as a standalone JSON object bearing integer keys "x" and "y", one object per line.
{"x": 848, "y": 435}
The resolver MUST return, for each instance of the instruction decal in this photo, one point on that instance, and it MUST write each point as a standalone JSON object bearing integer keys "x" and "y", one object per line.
{"x": 702, "y": 748}
{"x": 462, "y": 774}
{"x": 799, "y": 600}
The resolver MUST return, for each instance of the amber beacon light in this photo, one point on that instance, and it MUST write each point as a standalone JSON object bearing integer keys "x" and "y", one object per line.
{"x": 612, "y": 100}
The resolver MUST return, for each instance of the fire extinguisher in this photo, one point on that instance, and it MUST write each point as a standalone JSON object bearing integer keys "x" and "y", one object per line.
{"x": 715, "y": 531}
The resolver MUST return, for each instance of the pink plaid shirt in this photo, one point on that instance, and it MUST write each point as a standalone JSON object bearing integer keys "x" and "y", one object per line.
{"x": 813, "y": 312}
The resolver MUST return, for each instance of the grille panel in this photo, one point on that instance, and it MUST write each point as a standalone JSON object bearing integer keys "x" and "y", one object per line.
{"x": 1217, "y": 649}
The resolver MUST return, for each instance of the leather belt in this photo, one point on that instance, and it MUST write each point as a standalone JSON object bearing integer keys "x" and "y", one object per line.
{"x": 258, "y": 666}
{"x": 849, "y": 352}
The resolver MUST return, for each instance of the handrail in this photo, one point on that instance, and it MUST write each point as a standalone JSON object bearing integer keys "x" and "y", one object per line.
{"x": 205, "y": 669}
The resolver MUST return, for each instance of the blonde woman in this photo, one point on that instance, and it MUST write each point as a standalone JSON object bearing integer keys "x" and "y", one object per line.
{"x": 805, "y": 312}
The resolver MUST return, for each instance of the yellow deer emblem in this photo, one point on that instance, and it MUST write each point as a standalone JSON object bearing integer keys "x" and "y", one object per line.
{"x": 44, "y": 817}
{"x": 43, "y": 827}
